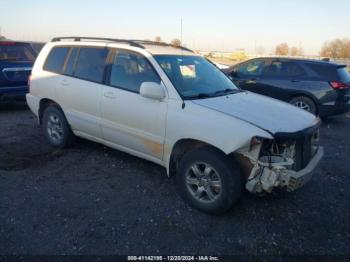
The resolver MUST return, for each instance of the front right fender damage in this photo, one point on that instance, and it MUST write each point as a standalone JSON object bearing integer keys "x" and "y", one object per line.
{"x": 287, "y": 162}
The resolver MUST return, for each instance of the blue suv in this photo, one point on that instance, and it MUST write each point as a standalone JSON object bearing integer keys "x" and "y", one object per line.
{"x": 16, "y": 61}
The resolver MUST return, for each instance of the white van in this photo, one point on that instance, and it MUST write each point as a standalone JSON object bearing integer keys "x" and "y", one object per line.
{"x": 171, "y": 106}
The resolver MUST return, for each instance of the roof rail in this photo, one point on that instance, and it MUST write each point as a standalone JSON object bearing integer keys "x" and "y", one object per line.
{"x": 149, "y": 42}
{"x": 135, "y": 43}
{"x": 78, "y": 39}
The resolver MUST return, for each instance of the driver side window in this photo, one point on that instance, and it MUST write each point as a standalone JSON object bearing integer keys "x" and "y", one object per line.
{"x": 129, "y": 70}
{"x": 252, "y": 68}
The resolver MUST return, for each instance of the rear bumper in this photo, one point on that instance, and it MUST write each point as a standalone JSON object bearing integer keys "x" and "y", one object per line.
{"x": 33, "y": 103}
{"x": 328, "y": 110}
{"x": 295, "y": 180}
{"x": 13, "y": 93}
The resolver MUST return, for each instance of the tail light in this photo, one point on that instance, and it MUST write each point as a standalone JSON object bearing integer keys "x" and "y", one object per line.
{"x": 338, "y": 85}
{"x": 7, "y": 43}
{"x": 29, "y": 82}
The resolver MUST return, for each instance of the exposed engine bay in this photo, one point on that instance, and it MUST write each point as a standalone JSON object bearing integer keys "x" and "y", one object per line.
{"x": 284, "y": 162}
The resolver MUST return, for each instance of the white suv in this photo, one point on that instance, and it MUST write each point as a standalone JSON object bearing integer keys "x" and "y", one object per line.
{"x": 170, "y": 106}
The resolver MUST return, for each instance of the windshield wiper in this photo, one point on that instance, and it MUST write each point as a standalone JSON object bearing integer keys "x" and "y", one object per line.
{"x": 199, "y": 96}
{"x": 227, "y": 91}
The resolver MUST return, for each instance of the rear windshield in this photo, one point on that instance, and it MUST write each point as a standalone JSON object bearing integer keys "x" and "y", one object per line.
{"x": 344, "y": 74}
{"x": 324, "y": 71}
{"x": 16, "y": 52}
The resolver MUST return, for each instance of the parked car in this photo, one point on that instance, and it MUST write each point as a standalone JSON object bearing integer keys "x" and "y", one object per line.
{"x": 37, "y": 46}
{"x": 319, "y": 87}
{"x": 170, "y": 106}
{"x": 16, "y": 61}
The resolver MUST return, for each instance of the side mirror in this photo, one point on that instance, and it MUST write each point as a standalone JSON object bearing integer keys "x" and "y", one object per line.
{"x": 152, "y": 90}
{"x": 234, "y": 74}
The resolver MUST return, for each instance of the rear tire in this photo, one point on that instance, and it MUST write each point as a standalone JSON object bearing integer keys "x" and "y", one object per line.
{"x": 305, "y": 103}
{"x": 208, "y": 180}
{"x": 56, "y": 127}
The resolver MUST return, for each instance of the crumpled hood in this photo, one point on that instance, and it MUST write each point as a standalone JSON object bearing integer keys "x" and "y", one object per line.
{"x": 267, "y": 113}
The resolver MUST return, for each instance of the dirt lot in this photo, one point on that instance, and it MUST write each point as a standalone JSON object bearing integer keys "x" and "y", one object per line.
{"x": 90, "y": 199}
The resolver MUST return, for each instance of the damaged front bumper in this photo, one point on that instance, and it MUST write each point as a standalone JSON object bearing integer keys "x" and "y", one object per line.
{"x": 288, "y": 161}
{"x": 265, "y": 177}
{"x": 293, "y": 180}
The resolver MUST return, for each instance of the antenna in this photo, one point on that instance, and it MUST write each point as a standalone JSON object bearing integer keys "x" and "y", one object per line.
{"x": 181, "y": 32}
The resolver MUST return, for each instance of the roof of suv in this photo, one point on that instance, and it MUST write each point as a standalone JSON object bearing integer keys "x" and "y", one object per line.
{"x": 323, "y": 62}
{"x": 155, "y": 48}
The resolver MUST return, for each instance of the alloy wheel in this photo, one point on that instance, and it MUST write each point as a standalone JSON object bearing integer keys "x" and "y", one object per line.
{"x": 203, "y": 182}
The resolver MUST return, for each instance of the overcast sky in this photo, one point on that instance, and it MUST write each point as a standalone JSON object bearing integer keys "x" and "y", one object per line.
{"x": 207, "y": 25}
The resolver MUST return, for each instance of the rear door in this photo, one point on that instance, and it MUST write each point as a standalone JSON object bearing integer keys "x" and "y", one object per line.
{"x": 80, "y": 88}
{"x": 128, "y": 119}
{"x": 281, "y": 78}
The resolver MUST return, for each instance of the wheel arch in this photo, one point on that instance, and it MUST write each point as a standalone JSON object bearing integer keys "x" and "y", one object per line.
{"x": 181, "y": 147}
{"x": 43, "y": 104}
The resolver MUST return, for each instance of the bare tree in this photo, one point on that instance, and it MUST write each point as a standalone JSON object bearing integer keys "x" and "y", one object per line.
{"x": 158, "y": 39}
{"x": 338, "y": 48}
{"x": 176, "y": 42}
{"x": 282, "y": 49}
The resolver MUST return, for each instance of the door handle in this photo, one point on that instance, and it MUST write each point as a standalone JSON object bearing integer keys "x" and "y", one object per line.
{"x": 110, "y": 95}
{"x": 64, "y": 83}
{"x": 253, "y": 80}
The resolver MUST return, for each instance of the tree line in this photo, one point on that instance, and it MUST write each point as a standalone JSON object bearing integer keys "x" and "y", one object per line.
{"x": 337, "y": 48}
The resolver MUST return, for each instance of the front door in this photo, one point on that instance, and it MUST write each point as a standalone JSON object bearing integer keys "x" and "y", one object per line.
{"x": 247, "y": 76}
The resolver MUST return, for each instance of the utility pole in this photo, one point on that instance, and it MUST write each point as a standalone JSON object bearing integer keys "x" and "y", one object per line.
{"x": 181, "y": 33}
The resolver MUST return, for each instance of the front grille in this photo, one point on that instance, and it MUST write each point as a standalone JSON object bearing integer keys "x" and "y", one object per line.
{"x": 305, "y": 149}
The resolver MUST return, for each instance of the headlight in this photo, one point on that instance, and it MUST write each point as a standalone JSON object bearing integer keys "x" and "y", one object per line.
{"x": 255, "y": 141}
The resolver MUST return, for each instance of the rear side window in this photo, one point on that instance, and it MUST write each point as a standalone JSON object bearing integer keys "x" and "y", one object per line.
{"x": 71, "y": 61}
{"x": 129, "y": 70}
{"x": 91, "y": 63}
{"x": 55, "y": 60}
{"x": 284, "y": 69}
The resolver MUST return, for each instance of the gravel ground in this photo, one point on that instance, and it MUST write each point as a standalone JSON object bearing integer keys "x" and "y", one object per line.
{"x": 90, "y": 199}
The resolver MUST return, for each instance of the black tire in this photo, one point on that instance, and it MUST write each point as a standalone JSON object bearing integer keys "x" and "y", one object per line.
{"x": 227, "y": 172}
{"x": 67, "y": 137}
{"x": 308, "y": 102}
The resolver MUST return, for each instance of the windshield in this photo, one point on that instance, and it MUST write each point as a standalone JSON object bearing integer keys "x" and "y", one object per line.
{"x": 16, "y": 52}
{"x": 194, "y": 77}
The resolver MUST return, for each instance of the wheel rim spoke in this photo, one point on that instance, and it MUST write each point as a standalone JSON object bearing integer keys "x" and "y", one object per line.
{"x": 199, "y": 192}
{"x": 207, "y": 171}
{"x": 215, "y": 183}
{"x": 192, "y": 181}
{"x": 210, "y": 194}
{"x": 196, "y": 171}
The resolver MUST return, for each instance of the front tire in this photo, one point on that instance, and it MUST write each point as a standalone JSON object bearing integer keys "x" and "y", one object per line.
{"x": 209, "y": 180}
{"x": 304, "y": 103}
{"x": 56, "y": 127}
